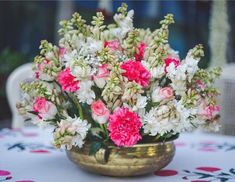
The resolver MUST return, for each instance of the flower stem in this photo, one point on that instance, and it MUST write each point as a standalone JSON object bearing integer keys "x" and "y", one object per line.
{"x": 103, "y": 127}
{"x": 80, "y": 110}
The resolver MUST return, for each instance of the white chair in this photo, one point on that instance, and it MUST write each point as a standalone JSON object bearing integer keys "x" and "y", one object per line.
{"x": 226, "y": 86}
{"x": 23, "y": 72}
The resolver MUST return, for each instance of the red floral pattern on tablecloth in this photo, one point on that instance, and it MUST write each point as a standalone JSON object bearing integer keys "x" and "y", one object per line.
{"x": 6, "y": 175}
{"x": 166, "y": 172}
{"x": 201, "y": 174}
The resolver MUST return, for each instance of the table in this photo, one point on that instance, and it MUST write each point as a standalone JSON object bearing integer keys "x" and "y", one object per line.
{"x": 26, "y": 155}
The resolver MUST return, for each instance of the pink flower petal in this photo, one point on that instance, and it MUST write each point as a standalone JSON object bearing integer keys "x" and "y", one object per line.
{"x": 166, "y": 172}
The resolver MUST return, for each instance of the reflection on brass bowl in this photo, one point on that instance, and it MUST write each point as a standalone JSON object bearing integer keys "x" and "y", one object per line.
{"x": 126, "y": 161}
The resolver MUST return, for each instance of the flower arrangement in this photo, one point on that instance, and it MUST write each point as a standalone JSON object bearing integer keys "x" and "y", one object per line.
{"x": 118, "y": 84}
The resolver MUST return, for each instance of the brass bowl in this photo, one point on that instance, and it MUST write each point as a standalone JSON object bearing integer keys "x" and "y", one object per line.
{"x": 125, "y": 161}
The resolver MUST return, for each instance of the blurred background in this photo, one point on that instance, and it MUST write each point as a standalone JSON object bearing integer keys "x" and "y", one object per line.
{"x": 24, "y": 24}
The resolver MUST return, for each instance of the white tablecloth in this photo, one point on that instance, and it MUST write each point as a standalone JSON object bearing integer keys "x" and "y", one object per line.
{"x": 27, "y": 156}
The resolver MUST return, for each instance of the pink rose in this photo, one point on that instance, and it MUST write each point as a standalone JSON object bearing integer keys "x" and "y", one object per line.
{"x": 209, "y": 112}
{"x": 67, "y": 81}
{"x": 169, "y": 61}
{"x": 100, "y": 112}
{"x": 139, "y": 55}
{"x": 102, "y": 75}
{"x": 44, "y": 109}
{"x": 160, "y": 94}
{"x": 114, "y": 44}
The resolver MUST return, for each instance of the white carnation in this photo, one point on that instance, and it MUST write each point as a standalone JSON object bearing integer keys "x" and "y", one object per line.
{"x": 154, "y": 124}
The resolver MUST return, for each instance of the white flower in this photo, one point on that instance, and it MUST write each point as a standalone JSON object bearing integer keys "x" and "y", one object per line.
{"x": 191, "y": 66}
{"x": 158, "y": 121}
{"x": 178, "y": 77}
{"x": 141, "y": 102}
{"x": 90, "y": 47}
{"x": 71, "y": 132}
{"x": 69, "y": 57}
{"x": 179, "y": 87}
{"x": 80, "y": 70}
{"x": 125, "y": 24}
{"x": 85, "y": 94}
{"x": 186, "y": 118}
{"x": 156, "y": 72}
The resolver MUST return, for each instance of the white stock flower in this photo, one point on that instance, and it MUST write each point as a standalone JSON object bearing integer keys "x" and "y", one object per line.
{"x": 85, "y": 94}
{"x": 186, "y": 118}
{"x": 140, "y": 105}
{"x": 125, "y": 24}
{"x": 91, "y": 46}
{"x": 69, "y": 57}
{"x": 71, "y": 132}
{"x": 191, "y": 66}
{"x": 141, "y": 102}
{"x": 178, "y": 77}
{"x": 156, "y": 72}
{"x": 80, "y": 70}
{"x": 179, "y": 87}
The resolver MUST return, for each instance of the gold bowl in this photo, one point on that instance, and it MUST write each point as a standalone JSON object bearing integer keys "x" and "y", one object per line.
{"x": 137, "y": 160}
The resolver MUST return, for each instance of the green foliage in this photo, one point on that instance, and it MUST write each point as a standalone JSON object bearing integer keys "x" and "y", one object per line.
{"x": 10, "y": 60}
{"x": 95, "y": 147}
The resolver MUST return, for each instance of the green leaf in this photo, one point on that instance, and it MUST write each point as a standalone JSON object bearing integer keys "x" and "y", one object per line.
{"x": 95, "y": 146}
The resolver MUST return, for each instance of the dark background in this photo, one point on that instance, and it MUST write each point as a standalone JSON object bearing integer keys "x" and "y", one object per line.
{"x": 24, "y": 23}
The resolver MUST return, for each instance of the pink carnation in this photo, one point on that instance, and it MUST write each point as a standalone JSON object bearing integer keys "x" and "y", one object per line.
{"x": 67, "y": 81}
{"x": 139, "y": 55}
{"x": 170, "y": 60}
{"x": 114, "y": 44}
{"x": 124, "y": 126}
{"x": 135, "y": 71}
